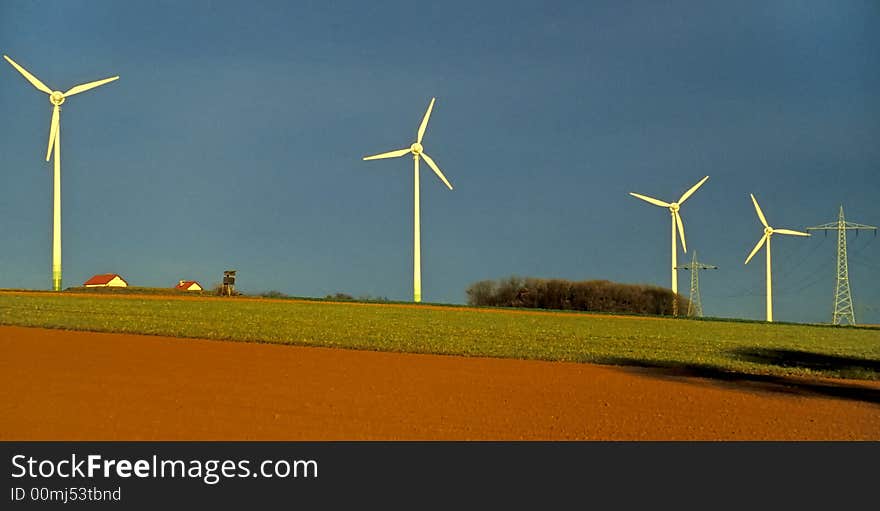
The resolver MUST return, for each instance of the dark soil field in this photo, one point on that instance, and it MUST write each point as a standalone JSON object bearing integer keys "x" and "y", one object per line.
{"x": 64, "y": 385}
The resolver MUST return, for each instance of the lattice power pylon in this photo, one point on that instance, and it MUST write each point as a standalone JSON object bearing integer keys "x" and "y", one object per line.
{"x": 695, "y": 305}
{"x": 843, "y": 303}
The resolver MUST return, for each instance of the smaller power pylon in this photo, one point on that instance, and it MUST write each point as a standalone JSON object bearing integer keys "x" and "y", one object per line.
{"x": 695, "y": 306}
{"x": 843, "y": 302}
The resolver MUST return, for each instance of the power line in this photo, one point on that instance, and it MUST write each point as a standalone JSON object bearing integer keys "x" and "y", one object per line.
{"x": 790, "y": 267}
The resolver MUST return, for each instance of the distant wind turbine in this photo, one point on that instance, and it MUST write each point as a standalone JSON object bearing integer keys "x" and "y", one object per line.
{"x": 676, "y": 222}
{"x": 768, "y": 232}
{"x": 56, "y": 98}
{"x": 417, "y": 151}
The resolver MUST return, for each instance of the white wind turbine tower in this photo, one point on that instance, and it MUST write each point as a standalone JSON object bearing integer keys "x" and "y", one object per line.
{"x": 676, "y": 222}
{"x": 417, "y": 151}
{"x": 768, "y": 232}
{"x": 56, "y": 98}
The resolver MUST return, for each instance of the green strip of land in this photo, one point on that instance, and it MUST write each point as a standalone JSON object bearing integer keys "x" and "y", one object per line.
{"x": 726, "y": 346}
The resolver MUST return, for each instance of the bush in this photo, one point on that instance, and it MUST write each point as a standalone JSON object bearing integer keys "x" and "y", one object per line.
{"x": 340, "y": 297}
{"x": 591, "y": 295}
{"x": 368, "y": 298}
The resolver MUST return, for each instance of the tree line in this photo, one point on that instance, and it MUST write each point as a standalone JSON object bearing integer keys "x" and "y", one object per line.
{"x": 590, "y": 295}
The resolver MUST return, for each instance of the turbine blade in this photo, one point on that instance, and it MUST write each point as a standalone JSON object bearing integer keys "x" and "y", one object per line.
{"x": 757, "y": 247}
{"x": 424, "y": 124}
{"x": 789, "y": 231}
{"x": 389, "y": 154}
{"x": 91, "y": 85}
{"x": 681, "y": 231}
{"x": 652, "y": 200}
{"x": 31, "y": 78}
{"x": 436, "y": 170}
{"x": 760, "y": 213}
{"x": 693, "y": 189}
{"x": 53, "y": 131}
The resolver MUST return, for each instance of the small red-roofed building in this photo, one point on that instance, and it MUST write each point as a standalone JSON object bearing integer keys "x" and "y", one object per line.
{"x": 188, "y": 285}
{"x": 106, "y": 280}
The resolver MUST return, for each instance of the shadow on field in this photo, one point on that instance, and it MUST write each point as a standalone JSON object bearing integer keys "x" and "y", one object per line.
{"x": 750, "y": 382}
{"x": 847, "y": 367}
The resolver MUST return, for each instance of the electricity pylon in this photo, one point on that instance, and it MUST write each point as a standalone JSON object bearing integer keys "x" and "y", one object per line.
{"x": 695, "y": 306}
{"x": 843, "y": 303}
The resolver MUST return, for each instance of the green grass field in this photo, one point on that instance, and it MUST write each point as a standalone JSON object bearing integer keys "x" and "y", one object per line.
{"x": 740, "y": 347}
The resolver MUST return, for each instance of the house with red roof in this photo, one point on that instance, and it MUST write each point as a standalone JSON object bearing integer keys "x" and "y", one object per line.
{"x": 106, "y": 280}
{"x": 188, "y": 285}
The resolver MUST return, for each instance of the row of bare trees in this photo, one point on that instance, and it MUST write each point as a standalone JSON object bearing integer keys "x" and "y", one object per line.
{"x": 591, "y": 295}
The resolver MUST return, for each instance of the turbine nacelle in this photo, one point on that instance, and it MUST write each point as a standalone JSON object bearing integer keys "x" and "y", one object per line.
{"x": 674, "y": 208}
{"x": 768, "y": 231}
{"x": 56, "y": 97}
{"x": 416, "y": 149}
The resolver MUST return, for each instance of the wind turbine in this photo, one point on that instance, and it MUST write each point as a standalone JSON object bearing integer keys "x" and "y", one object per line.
{"x": 417, "y": 151}
{"x": 768, "y": 232}
{"x": 676, "y": 221}
{"x": 56, "y": 98}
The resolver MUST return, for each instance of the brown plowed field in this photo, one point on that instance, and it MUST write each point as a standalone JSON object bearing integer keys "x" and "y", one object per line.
{"x": 60, "y": 385}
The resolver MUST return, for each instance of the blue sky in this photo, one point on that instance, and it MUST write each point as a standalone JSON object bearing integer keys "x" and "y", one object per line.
{"x": 234, "y": 140}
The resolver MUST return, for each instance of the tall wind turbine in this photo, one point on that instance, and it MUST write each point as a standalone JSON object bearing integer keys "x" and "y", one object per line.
{"x": 417, "y": 151}
{"x": 676, "y": 222}
{"x": 56, "y": 98}
{"x": 768, "y": 232}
